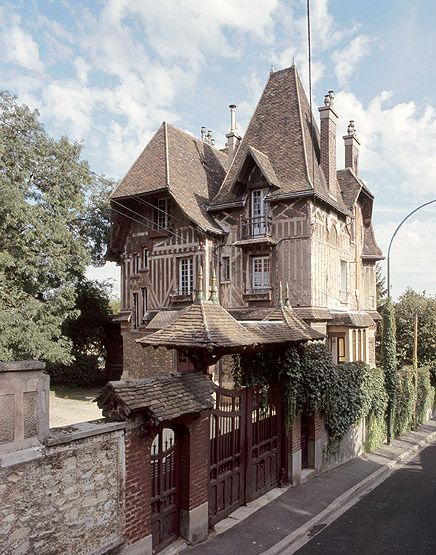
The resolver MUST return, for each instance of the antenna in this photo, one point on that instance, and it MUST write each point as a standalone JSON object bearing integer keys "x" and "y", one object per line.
{"x": 310, "y": 89}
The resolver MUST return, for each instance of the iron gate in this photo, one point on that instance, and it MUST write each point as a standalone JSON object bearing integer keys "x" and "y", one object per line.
{"x": 244, "y": 454}
{"x": 165, "y": 514}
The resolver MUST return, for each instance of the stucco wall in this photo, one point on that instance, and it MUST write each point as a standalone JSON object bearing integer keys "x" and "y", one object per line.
{"x": 351, "y": 446}
{"x": 67, "y": 497}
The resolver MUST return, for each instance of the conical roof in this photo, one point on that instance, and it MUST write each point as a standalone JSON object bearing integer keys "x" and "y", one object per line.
{"x": 281, "y": 129}
{"x": 202, "y": 325}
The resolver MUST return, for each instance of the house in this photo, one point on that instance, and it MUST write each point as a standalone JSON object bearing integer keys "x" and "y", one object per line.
{"x": 271, "y": 207}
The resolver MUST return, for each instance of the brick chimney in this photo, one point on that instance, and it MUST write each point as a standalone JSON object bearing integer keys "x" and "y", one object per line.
{"x": 328, "y": 119}
{"x": 352, "y": 145}
{"x": 233, "y": 138}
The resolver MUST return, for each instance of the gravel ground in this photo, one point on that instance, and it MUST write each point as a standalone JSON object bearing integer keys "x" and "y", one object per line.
{"x": 71, "y": 405}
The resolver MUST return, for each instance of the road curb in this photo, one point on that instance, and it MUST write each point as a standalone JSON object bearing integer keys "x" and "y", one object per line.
{"x": 296, "y": 539}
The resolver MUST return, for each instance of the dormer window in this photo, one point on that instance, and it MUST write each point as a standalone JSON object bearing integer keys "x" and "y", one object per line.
{"x": 163, "y": 213}
{"x": 259, "y": 211}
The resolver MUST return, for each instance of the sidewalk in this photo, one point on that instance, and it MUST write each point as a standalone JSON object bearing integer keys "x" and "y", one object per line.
{"x": 288, "y": 520}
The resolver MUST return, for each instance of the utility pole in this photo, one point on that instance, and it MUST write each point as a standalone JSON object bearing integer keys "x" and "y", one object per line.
{"x": 415, "y": 364}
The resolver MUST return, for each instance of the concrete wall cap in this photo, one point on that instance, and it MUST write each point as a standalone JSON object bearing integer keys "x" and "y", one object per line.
{"x": 21, "y": 365}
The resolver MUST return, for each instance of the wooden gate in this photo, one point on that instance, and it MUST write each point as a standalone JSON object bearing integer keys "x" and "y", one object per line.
{"x": 244, "y": 455}
{"x": 165, "y": 513}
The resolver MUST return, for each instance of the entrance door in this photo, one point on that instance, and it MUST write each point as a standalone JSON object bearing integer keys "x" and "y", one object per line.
{"x": 226, "y": 453}
{"x": 165, "y": 515}
{"x": 244, "y": 450}
{"x": 264, "y": 459}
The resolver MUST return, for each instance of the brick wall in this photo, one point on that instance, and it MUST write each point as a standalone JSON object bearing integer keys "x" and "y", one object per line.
{"x": 199, "y": 460}
{"x": 138, "y": 484}
{"x": 140, "y": 362}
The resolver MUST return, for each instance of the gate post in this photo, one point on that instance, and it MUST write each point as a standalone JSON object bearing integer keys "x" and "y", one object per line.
{"x": 194, "y": 515}
{"x": 294, "y": 466}
{"x": 137, "y": 507}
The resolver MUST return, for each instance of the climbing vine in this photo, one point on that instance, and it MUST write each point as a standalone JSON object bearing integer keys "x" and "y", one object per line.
{"x": 310, "y": 382}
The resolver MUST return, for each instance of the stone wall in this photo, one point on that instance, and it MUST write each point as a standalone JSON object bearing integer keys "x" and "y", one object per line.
{"x": 66, "y": 496}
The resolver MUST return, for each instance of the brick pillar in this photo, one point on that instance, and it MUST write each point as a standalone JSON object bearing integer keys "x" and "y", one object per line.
{"x": 328, "y": 121}
{"x": 137, "y": 503}
{"x": 294, "y": 458}
{"x": 194, "y": 518}
{"x": 352, "y": 145}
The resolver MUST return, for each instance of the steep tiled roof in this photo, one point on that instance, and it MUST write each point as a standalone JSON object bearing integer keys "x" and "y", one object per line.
{"x": 370, "y": 248}
{"x": 162, "y": 398}
{"x": 189, "y": 169}
{"x": 281, "y": 129}
{"x": 351, "y": 186}
{"x": 203, "y": 324}
{"x": 162, "y": 319}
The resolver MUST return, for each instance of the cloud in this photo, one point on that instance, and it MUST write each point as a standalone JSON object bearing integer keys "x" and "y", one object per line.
{"x": 347, "y": 58}
{"x": 398, "y": 140}
{"x": 413, "y": 264}
{"x": 19, "y": 48}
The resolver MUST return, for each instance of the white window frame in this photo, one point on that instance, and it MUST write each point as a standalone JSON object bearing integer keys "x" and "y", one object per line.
{"x": 186, "y": 275}
{"x": 144, "y": 258}
{"x": 163, "y": 215}
{"x": 259, "y": 211}
{"x": 226, "y": 269}
{"x": 260, "y": 272}
{"x": 343, "y": 293}
{"x": 136, "y": 318}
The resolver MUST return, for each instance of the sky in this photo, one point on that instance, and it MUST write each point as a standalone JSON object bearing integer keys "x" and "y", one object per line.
{"x": 108, "y": 73}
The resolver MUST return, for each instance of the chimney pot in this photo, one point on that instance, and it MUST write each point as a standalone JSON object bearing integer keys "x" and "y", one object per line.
{"x": 352, "y": 144}
{"x": 233, "y": 139}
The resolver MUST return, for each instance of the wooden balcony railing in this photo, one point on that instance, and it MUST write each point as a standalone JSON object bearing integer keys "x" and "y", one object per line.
{"x": 259, "y": 226}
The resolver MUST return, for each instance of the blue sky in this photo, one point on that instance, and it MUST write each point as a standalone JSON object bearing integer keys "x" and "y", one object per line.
{"x": 109, "y": 72}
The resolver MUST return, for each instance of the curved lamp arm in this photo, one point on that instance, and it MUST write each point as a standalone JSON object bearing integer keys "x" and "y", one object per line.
{"x": 393, "y": 237}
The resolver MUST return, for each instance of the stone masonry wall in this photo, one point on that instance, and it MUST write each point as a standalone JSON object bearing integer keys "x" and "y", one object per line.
{"x": 68, "y": 499}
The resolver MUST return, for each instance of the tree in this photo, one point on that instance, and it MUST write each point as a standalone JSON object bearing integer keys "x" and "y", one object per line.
{"x": 409, "y": 304}
{"x": 389, "y": 360}
{"x": 53, "y": 222}
{"x": 381, "y": 296}
{"x": 87, "y": 333}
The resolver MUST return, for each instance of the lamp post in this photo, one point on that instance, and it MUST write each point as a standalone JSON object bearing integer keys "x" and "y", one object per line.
{"x": 393, "y": 237}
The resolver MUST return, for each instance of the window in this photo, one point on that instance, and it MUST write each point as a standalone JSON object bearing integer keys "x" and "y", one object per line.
{"x": 186, "y": 276}
{"x": 260, "y": 272}
{"x": 143, "y": 302}
{"x": 163, "y": 216}
{"x": 258, "y": 211}
{"x": 136, "y": 319}
{"x": 341, "y": 349}
{"x": 225, "y": 268}
{"x": 144, "y": 258}
{"x": 135, "y": 263}
{"x": 343, "y": 292}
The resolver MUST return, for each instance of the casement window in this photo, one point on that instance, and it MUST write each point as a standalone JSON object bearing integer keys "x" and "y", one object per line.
{"x": 258, "y": 211}
{"x": 186, "y": 276}
{"x": 225, "y": 268}
{"x": 260, "y": 272}
{"x": 136, "y": 318}
{"x": 144, "y": 259}
{"x": 344, "y": 281}
{"x": 163, "y": 213}
{"x": 135, "y": 263}
{"x": 143, "y": 303}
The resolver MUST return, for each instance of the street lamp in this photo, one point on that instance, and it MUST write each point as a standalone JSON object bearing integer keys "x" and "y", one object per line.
{"x": 393, "y": 237}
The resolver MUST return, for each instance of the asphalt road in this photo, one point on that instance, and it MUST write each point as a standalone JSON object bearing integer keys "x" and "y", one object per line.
{"x": 397, "y": 517}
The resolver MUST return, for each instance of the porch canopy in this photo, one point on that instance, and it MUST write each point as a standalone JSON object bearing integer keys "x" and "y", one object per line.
{"x": 205, "y": 331}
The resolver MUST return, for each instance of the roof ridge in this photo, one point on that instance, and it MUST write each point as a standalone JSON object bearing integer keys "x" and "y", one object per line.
{"x": 297, "y": 88}
{"x": 196, "y": 139}
{"x": 167, "y": 161}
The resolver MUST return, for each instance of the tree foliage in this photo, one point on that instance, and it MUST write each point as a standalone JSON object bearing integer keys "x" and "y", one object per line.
{"x": 53, "y": 222}
{"x": 409, "y": 304}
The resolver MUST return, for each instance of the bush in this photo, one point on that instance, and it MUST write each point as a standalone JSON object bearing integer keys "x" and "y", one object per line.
{"x": 424, "y": 395}
{"x": 405, "y": 400}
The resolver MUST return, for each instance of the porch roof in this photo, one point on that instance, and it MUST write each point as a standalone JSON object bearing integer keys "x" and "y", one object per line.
{"x": 162, "y": 398}
{"x": 352, "y": 319}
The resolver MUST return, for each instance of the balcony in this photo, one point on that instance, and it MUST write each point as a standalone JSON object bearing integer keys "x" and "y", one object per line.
{"x": 251, "y": 228}
{"x": 257, "y": 295}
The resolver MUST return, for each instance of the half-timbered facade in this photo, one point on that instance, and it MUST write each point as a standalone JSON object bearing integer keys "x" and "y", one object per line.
{"x": 269, "y": 208}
